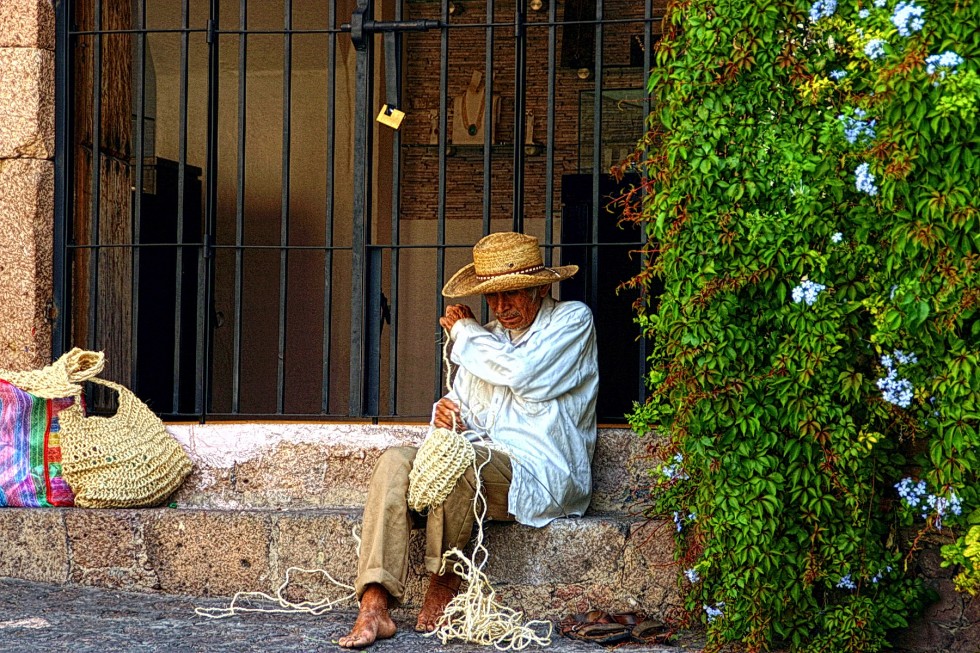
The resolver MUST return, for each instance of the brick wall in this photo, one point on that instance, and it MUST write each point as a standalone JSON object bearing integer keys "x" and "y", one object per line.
{"x": 467, "y": 52}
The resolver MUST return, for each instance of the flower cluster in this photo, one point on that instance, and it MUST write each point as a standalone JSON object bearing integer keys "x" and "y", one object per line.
{"x": 941, "y": 505}
{"x": 675, "y": 471}
{"x": 680, "y": 519}
{"x": 864, "y": 181}
{"x": 911, "y": 492}
{"x": 692, "y": 576}
{"x": 864, "y": 13}
{"x": 877, "y": 577}
{"x": 855, "y": 128}
{"x": 874, "y": 49}
{"x": 846, "y": 583}
{"x": 880, "y": 3}
{"x": 908, "y": 18}
{"x": 714, "y": 611}
{"x": 917, "y": 497}
{"x": 837, "y": 237}
{"x": 822, "y": 9}
{"x": 940, "y": 62}
{"x": 838, "y": 74}
{"x": 894, "y": 389}
{"x": 807, "y": 292}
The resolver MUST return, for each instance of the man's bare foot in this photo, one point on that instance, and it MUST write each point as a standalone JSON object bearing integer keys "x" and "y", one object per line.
{"x": 441, "y": 591}
{"x": 373, "y": 622}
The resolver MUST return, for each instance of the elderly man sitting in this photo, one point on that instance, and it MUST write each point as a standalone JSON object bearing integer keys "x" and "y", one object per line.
{"x": 525, "y": 389}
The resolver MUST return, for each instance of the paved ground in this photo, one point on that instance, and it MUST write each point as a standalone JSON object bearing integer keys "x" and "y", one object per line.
{"x": 39, "y": 618}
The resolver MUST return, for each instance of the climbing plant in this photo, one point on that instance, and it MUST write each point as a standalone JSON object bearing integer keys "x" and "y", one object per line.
{"x": 812, "y": 210}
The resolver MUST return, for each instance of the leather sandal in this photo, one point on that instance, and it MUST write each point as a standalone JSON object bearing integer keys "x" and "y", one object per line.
{"x": 598, "y": 627}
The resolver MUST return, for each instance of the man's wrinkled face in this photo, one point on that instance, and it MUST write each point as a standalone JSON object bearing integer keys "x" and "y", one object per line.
{"x": 516, "y": 309}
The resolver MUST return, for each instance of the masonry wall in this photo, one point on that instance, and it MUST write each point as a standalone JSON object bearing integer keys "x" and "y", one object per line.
{"x": 26, "y": 181}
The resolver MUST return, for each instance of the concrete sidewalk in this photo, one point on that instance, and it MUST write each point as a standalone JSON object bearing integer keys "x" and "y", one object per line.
{"x": 41, "y": 618}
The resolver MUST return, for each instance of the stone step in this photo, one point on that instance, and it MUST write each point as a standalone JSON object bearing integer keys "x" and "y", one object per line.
{"x": 309, "y": 465}
{"x": 572, "y": 565}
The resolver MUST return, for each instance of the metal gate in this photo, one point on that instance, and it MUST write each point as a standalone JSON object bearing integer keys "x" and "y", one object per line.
{"x": 243, "y": 230}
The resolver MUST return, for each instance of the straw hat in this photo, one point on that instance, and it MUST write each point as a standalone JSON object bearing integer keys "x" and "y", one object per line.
{"x": 504, "y": 261}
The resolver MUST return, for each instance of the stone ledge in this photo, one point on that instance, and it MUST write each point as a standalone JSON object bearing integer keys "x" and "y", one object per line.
{"x": 241, "y": 466}
{"x": 569, "y": 566}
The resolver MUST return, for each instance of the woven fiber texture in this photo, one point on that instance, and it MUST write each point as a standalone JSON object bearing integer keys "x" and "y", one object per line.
{"x": 61, "y": 378}
{"x": 504, "y": 261}
{"x": 124, "y": 461}
{"x": 443, "y": 457}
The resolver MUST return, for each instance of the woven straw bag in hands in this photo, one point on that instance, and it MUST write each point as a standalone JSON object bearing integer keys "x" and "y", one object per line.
{"x": 124, "y": 461}
{"x": 62, "y": 378}
{"x": 443, "y": 457}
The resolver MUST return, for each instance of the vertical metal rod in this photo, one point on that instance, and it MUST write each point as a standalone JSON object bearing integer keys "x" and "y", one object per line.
{"x": 96, "y": 181}
{"x": 206, "y": 261}
{"x": 520, "y": 103}
{"x": 137, "y": 225}
{"x": 328, "y": 230}
{"x": 488, "y": 139}
{"x": 441, "y": 203}
{"x": 236, "y": 366}
{"x": 287, "y": 84}
{"x": 396, "y": 176}
{"x": 596, "y": 160}
{"x": 488, "y": 119}
{"x": 549, "y": 163}
{"x": 181, "y": 196}
{"x": 63, "y": 257}
{"x": 363, "y": 132}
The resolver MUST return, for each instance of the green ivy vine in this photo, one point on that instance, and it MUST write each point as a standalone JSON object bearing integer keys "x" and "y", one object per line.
{"x": 812, "y": 211}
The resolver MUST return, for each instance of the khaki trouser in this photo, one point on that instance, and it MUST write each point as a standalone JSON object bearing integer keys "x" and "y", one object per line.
{"x": 388, "y": 520}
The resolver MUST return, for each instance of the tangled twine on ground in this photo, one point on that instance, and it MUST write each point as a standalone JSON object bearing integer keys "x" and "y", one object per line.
{"x": 285, "y": 605}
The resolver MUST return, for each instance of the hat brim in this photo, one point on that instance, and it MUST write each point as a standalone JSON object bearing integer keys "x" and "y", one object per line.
{"x": 465, "y": 282}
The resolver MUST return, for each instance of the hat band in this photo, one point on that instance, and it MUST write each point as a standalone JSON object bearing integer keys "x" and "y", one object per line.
{"x": 487, "y": 277}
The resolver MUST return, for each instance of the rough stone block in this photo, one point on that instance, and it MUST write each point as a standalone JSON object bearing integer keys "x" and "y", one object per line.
{"x": 211, "y": 553}
{"x": 283, "y": 465}
{"x": 106, "y": 550}
{"x": 620, "y": 480}
{"x": 27, "y": 24}
{"x": 26, "y": 215}
{"x": 324, "y": 465}
{"x": 26, "y": 103}
{"x": 567, "y": 551}
{"x": 316, "y": 541}
{"x": 34, "y": 545}
{"x": 650, "y": 573}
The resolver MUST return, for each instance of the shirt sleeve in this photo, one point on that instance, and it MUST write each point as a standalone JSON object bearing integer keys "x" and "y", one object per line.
{"x": 546, "y": 365}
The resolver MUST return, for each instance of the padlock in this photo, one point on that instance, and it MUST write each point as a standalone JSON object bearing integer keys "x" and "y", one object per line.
{"x": 391, "y": 117}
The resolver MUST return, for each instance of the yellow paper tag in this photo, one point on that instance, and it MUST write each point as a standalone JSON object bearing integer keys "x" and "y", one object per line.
{"x": 391, "y": 117}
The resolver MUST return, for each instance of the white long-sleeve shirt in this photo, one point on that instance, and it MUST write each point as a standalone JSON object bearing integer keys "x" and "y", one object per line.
{"x": 534, "y": 398}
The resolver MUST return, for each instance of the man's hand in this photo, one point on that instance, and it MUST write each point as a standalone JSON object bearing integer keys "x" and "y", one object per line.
{"x": 446, "y": 411}
{"x": 454, "y": 313}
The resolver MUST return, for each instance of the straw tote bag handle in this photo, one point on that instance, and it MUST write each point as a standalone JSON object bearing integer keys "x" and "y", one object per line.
{"x": 62, "y": 378}
{"x": 125, "y": 460}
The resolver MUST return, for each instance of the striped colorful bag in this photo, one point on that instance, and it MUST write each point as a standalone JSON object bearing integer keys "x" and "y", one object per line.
{"x": 30, "y": 450}
{"x": 31, "y": 474}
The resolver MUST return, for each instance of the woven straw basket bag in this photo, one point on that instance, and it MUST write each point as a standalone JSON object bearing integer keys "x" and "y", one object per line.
{"x": 443, "y": 457}
{"x": 123, "y": 461}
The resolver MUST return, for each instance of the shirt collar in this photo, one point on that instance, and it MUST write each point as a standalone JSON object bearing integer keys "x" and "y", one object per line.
{"x": 541, "y": 320}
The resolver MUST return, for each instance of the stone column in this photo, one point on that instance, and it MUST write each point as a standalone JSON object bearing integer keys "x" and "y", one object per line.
{"x": 26, "y": 181}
